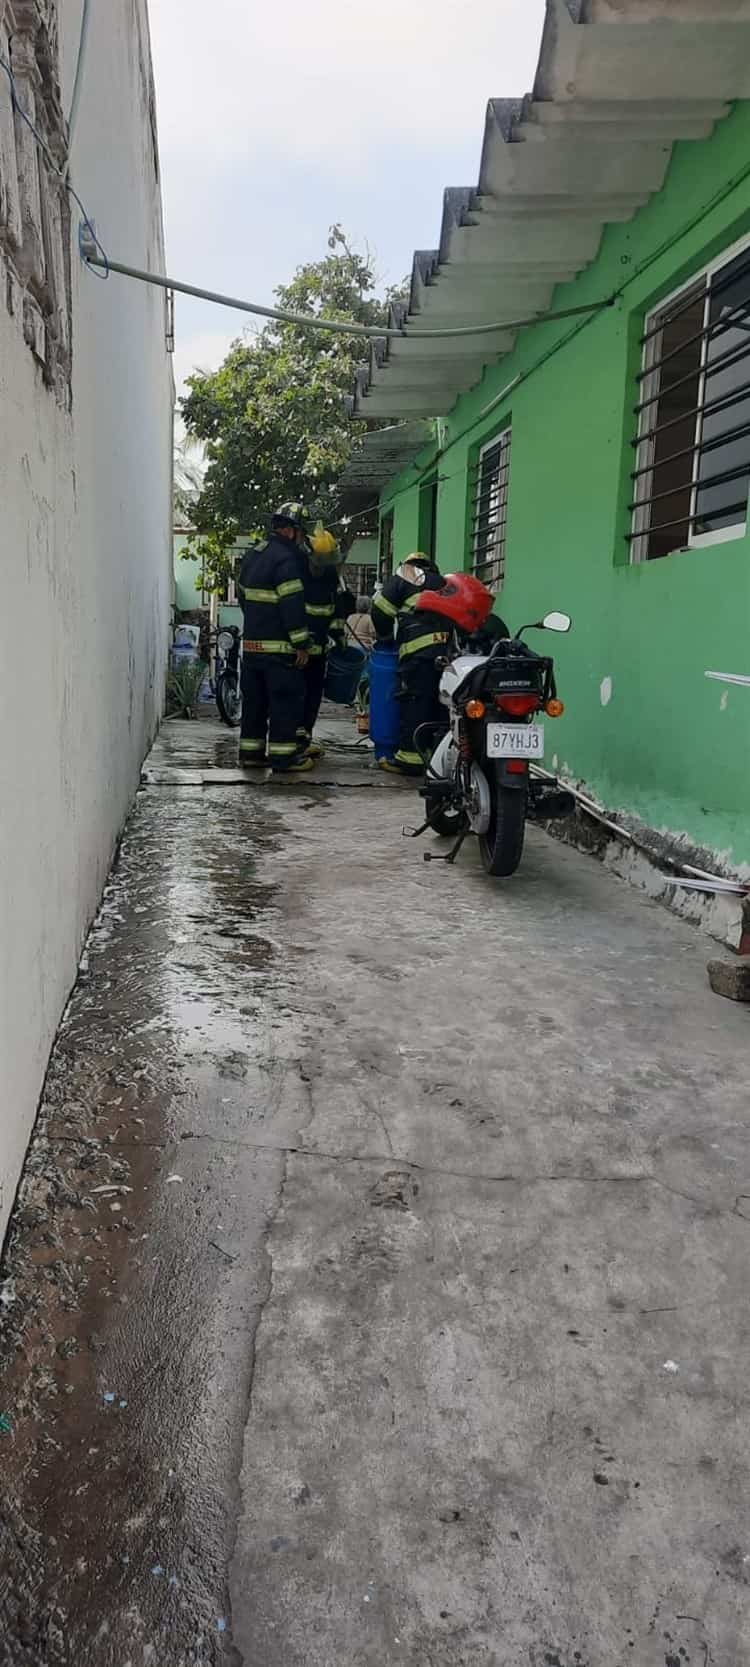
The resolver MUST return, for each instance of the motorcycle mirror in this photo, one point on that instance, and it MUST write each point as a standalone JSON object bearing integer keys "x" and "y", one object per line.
{"x": 557, "y": 622}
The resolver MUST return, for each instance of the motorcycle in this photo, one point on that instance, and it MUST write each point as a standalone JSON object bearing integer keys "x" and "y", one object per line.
{"x": 227, "y": 687}
{"x": 477, "y": 778}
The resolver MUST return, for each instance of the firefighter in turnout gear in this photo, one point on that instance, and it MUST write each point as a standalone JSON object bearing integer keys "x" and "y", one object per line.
{"x": 276, "y": 641}
{"x": 421, "y": 638}
{"x": 327, "y": 607}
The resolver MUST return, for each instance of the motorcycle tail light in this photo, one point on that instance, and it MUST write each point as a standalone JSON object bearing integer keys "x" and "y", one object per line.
{"x": 554, "y": 709}
{"x": 475, "y": 709}
{"x": 516, "y": 766}
{"x": 518, "y": 706}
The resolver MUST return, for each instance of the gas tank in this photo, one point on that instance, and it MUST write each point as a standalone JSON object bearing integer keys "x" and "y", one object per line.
{"x": 384, "y": 708}
{"x": 456, "y": 674}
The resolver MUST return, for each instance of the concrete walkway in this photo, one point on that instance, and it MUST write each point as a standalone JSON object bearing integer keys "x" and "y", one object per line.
{"x": 377, "y": 1291}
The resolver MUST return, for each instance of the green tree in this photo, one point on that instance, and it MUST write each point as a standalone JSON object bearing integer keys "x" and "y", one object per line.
{"x": 189, "y": 467}
{"x": 271, "y": 417}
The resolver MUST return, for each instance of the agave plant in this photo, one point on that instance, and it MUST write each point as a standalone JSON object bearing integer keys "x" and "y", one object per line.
{"x": 184, "y": 684}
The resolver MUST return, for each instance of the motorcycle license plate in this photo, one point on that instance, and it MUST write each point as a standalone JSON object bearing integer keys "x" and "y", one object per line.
{"x": 515, "y": 740}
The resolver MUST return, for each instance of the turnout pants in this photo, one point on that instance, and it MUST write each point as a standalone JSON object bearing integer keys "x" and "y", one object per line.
{"x": 273, "y": 697}
{"x": 419, "y": 703}
{"x": 315, "y": 676}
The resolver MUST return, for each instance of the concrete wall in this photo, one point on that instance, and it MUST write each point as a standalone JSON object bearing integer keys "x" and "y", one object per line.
{"x": 85, "y": 537}
{"x": 668, "y": 746}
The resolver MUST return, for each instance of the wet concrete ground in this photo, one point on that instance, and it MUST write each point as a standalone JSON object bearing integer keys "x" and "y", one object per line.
{"x": 377, "y": 1288}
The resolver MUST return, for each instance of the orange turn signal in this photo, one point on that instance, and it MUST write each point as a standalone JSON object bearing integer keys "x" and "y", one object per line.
{"x": 554, "y": 709}
{"x": 475, "y": 709}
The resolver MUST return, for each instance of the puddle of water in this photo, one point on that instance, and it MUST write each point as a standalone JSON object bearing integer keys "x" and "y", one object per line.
{"x": 113, "y": 1289}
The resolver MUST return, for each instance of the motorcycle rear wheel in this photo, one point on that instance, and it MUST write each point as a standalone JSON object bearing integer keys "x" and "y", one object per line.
{"x": 501, "y": 846}
{"x": 229, "y": 700}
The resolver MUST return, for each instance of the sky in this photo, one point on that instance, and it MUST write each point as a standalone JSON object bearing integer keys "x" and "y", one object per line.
{"x": 269, "y": 132}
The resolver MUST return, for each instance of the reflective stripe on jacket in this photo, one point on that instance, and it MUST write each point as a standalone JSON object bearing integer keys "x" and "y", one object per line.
{"x": 325, "y": 605}
{"x": 417, "y": 630}
{"x": 271, "y": 591}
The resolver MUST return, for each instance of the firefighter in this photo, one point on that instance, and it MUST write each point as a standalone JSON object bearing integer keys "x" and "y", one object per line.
{"x": 421, "y": 639}
{"x": 276, "y": 643}
{"x": 327, "y": 606}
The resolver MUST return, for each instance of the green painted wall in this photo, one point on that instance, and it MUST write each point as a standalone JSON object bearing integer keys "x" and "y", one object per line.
{"x": 186, "y": 597}
{"x": 405, "y": 516}
{"x": 669, "y": 745}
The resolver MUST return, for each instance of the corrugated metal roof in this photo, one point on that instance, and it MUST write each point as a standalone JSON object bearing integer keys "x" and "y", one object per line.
{"x": 379, "y": 457}
{"x": 618, "y": 83}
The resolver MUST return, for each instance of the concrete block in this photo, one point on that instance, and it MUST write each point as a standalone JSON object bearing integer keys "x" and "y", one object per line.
{"x": 731, "y": 978}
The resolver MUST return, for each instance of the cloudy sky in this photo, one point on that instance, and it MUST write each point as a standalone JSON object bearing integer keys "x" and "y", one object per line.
{"x": 275, "y": 122}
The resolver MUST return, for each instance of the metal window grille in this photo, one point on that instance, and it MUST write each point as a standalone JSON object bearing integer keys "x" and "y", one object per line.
{"x": 692, "y": 445}
{"x": 360, "y": 577}
{"x": 490, "y": 511}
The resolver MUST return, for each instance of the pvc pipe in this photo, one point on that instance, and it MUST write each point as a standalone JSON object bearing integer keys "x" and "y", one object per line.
{"x": 78, "y": 82}
{"x": 90, "y": 254}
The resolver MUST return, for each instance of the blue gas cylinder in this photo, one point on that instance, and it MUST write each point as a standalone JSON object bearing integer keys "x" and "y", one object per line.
{"x": 384, "y": 712}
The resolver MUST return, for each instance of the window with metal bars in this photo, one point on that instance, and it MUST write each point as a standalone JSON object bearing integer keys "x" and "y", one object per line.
{"x": 490, "y": 511}
{"x": 692, "y": 446}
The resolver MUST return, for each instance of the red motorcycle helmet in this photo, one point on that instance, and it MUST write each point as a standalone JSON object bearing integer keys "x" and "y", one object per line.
{"x": 463, "y": 599}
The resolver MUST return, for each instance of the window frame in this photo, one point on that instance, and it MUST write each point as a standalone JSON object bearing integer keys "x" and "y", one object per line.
{"x": 638, "y": 546}
{"x": 501, "y": 441}
{"x": 428, "y": 515}
{"x": 386, "y": 532}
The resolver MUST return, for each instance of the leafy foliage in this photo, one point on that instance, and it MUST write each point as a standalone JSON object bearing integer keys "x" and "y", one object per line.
{"x": 214, "y": 550}
{"x": 272, "y": 416}
{"x": 189, "y": 469}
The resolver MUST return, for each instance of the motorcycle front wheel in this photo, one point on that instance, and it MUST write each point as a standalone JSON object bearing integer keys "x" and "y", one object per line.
{"x": 502, "y": 845}
{"x": 229, "y": 700}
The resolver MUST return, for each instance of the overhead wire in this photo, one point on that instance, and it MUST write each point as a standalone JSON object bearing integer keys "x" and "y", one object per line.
{"x": 665, "y": 247}
{"x": 564, "y": 341}
{"x": 78, "y": 78}
{"x": 95, "y": 256}
{"x": 337, "y": 326}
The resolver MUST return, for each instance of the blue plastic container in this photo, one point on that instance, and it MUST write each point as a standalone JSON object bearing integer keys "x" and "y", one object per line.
{"x": 384, "y": 711}
{"x": 344, "y": 674}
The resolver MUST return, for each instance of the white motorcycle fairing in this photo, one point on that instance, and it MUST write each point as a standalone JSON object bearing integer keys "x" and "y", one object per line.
{"x": 444, "y": 759}
{"x": 456, "y": 673}
{"x": 443, "y": 765}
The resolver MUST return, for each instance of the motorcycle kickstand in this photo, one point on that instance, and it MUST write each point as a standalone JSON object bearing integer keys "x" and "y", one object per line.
{"x": 432, "y": 856}
{"x": 414, "y": 833}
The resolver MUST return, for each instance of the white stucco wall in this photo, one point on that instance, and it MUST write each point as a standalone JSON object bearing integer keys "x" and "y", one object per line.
{"x": 85, "y": 566}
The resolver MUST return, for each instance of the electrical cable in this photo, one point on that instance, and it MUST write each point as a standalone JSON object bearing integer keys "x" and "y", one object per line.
{"x": 372, "y": 332}
{"x": 643, "y": 266}
{"x": 664, "y": 248}
{"x": 52, "y": 165}
{"x": 78, "y": 79}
